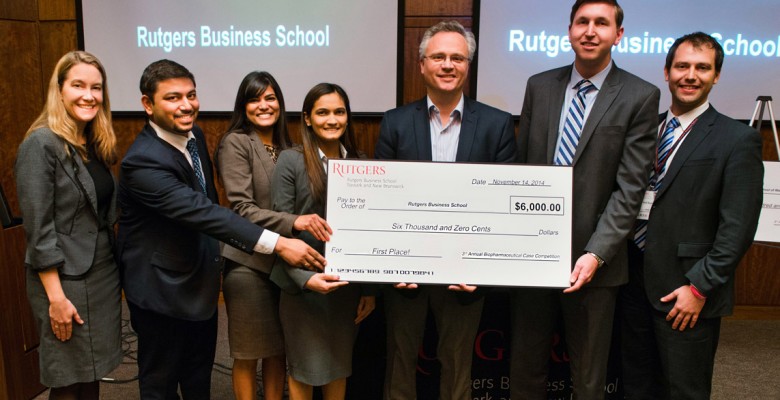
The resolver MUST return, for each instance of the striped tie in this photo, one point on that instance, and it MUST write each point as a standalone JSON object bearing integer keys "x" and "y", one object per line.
{"x": 664, "y": 148}
{"x": 192, "y": 148}
{"x": 572, "y": 127}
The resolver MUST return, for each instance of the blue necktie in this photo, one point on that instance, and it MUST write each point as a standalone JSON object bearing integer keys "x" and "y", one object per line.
{"x": 664, "y": 148}
{"x": 572, "y": 127}
{"x": 192, "y": 148}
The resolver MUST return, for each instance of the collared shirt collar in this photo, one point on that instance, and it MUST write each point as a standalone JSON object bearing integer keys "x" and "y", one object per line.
{"x": 459, "y": 108}
{"x": 597, "y": 80}
{"x": 175, "y": 140}
{"x": 324, "y": 158}
{"x": 179, "y": 142}
{"x": 687, "y": 118}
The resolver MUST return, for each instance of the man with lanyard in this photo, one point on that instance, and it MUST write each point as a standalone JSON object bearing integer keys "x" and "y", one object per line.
{"x": 697, "y": 221}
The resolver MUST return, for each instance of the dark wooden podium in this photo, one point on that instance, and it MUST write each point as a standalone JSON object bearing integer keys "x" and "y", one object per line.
{"x": 18, "y": 337}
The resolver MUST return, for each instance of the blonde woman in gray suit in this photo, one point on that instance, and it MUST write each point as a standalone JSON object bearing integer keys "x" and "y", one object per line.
{"x": 68, "y": 200}
{"x": 245, "y": 159}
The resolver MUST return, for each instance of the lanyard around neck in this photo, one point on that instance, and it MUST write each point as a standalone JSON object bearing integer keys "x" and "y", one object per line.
{"x": 660, "y": 163}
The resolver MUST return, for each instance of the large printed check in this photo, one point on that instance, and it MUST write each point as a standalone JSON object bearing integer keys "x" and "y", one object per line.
{"x": 449, "y": 223}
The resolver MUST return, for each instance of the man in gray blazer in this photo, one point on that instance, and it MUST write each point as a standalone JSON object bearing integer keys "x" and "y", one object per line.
{"x": 706, "y": 196}
{"x": 445, "y": 126}
{"x": 167, "y": 245}
{"x": 601, "y": 121}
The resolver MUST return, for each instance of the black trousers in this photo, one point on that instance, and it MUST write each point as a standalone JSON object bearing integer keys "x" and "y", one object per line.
{"x": 657, "y": 361}
{"x": 173, "y": 354}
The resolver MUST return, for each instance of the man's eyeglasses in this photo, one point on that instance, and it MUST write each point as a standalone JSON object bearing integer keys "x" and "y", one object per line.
{"x": 455, "y": 59}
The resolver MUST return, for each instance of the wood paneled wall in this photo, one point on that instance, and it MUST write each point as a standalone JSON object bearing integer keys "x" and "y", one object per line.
{"x": 33, "y": 35}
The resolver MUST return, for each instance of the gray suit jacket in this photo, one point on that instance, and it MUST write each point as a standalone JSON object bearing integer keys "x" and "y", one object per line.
{"x": 611, "y": 162}
{"x": 245, "y": 169}
{"x": 705, "y": 215}
{"x": 291, "y": 194}
{"x": 59, "y": 205}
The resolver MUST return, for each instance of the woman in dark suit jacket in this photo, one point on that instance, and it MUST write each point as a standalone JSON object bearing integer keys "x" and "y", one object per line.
{"x": 245, "y": 160}
{"x": 319, "y": 321}
{"x": 68, "y": 200}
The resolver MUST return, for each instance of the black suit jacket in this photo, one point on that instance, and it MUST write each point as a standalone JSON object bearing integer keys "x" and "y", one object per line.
{"x": 610, "y": 165}
{"x": 169, "y": 230}
{"x": 486, "y": 135}
{"x": 705, "y": 215}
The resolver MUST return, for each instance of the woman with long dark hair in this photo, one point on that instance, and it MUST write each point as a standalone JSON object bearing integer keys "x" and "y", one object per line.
{"x": 245, "y": 159}
{"x": 319, "y": 313}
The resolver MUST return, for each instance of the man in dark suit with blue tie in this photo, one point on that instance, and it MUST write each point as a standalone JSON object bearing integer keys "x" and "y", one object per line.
{"x": 600, "y": 120}
{"x": 167, "y": 245}
{"x": 446, "y": 126}
{"x": 701, "y": 213}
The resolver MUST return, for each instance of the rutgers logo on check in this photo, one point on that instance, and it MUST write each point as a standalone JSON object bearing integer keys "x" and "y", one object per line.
{"x": 344, "y": 169}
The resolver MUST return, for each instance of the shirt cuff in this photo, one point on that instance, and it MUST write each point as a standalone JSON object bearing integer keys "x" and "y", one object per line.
{"x": 267, "y": 242}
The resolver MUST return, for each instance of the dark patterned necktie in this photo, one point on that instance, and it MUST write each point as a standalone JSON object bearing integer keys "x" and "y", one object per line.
{"x": 192, "y": 148}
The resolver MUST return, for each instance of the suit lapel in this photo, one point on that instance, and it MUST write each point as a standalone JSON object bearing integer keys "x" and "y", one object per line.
{"x": 468, "y": 129}
{"x": 112, "y": 217}
{"x": 261, "y": 154}
{"x": 694, "y": 138}
{"x": 606, "y": 96}
{"x": 422, "y": 131}
{"x": 205, "y": 165}
{"x": 85, "y": 181}
{"x": 557, "y": 97}
{"x": 87, "y": 186}
{"x": 178, "y": 158}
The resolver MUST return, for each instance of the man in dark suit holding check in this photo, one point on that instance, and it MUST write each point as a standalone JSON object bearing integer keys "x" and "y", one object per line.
{"x": 168, "y": 247}
{"x": 601, "y": 121}
{"x": 701, "y": 214}
{"x": 446, "y": 126}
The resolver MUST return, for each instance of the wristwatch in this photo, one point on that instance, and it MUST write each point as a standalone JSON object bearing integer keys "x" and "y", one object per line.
{"x": 598, "y": 259}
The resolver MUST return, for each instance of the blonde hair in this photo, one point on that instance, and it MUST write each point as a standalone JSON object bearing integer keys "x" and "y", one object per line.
{"x": 55, "y": 117}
